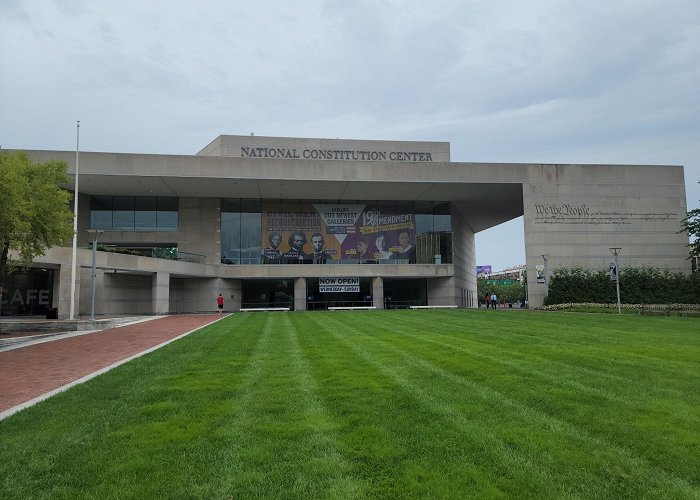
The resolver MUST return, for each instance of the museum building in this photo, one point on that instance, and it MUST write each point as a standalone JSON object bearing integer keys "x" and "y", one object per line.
{"x": 274, "y": 222}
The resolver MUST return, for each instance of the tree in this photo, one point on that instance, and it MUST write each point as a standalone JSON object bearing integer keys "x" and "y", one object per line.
{"x": 34, "y": 210}
{"x": 509, "y": 293}
{"x": 691, "y": 225}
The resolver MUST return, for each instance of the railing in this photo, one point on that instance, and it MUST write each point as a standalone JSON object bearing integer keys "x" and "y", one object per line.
{"x": 259, "y": 306}
{"x": 167, "y": 253}
{"x": 191, "y": 257}
{"x": 402, "y": 304}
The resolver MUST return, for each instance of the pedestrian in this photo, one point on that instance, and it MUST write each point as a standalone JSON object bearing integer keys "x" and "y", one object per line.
{"x": 487, "y": 300}
{"x": 494, "y": 300}
{"x": 220, "y": 303}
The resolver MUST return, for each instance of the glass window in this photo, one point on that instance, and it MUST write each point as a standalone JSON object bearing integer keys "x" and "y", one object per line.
{"x": 230, "y": 231}
{"x": 250, "y": 238}
{"x": 167, "y": 213}
{"x": 100, "y": 219}
{"x": 167, "y": 204}
{"x": 424, "y": 217}
{"x": 128, "y": 213}
{"x": 442, "y": 223}
{"x": 101, "y": 212}
{"x": 145, "y": 221}
{"x": 167, "y": 221}
{"x": 145, "y": 213}
{"x": 251, "y": 231}
{"x": 240, "y": 231}
{"x": 123, "y": 215}
{"x": 101, "y": 203}
{"x": 442, "y": 220}
{"x": 145, "y": 203}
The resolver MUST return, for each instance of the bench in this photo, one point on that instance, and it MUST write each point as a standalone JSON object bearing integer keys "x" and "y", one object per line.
{"x": 263, "y": 309}
{"x": 433, "y": 307}
{"x": 351, "y": 308}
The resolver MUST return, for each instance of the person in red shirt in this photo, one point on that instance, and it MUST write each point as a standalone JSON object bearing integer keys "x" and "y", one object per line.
{"x": 220, "y": 303}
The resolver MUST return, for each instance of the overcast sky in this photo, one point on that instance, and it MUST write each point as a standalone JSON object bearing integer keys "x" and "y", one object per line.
{"x": 503, "y": 81}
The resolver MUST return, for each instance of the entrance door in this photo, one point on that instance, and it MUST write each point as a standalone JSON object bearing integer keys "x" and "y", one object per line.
{"x": 315, "y": 299}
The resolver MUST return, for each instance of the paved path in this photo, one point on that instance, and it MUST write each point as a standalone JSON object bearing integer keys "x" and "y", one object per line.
{"x": 30, "y": 372}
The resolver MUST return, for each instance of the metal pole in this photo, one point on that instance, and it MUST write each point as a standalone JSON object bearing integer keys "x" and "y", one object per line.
{"x": 94, "y": 266}
{"x": 617, "y": 284}
{"x": 74, "y": 261}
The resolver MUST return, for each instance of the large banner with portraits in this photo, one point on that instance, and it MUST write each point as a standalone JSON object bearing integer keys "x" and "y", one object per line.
{"x": 320, "y": 233}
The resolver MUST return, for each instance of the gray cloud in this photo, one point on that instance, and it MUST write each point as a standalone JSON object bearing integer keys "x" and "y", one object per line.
{"x": 502, "y": 81}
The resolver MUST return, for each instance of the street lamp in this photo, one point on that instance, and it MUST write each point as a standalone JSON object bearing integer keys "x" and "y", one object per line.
{"x": 615, "y": 275}
{"x": 95, "y": 233}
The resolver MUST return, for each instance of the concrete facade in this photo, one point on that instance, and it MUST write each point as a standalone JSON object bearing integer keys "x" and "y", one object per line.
{"x": 572, "y": 215}
{"x": 576, "y": 213}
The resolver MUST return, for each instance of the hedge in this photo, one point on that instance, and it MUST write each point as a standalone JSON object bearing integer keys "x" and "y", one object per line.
{"x": 638, "y": 285}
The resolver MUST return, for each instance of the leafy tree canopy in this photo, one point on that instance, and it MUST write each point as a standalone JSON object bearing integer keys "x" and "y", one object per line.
{"x": 509, "y": 293}
{"x": 691, "y": 225}
{"x": 34, "y": 209}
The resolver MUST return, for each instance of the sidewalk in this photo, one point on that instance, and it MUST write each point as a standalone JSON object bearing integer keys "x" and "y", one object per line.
{"x": 37, "y": 371}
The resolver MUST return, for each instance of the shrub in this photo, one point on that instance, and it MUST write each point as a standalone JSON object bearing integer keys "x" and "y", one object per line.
{"x": 638, "y": 285}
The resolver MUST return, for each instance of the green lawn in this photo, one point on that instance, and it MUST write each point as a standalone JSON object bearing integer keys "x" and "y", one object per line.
{"x": 443, "y": 404}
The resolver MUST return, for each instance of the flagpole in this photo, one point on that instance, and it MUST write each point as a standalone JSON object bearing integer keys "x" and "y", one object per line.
{"x": 74, "y": 261}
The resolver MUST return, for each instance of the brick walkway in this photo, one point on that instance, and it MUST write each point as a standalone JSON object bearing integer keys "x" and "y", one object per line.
{"x": 29, "y": 372}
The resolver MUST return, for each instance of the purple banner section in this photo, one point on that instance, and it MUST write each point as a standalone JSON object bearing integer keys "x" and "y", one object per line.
{"x": 481, "y": 270}
{"x": 382, "y": 235}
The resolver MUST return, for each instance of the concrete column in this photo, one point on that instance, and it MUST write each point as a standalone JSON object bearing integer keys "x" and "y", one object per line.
{"x": 300, "y": 294}
{"x": 234, "y": 297}
{"x": 378, "y": 292}
{"x": 161, "y": 293}
{"x": 441, "y": 292}
{"x": 464, "y": 260}
{"x": 62, "y": 299}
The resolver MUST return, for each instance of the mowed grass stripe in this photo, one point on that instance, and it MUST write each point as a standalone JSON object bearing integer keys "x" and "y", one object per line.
{"x": 634, "y": 397}
{"x": 359, "y": 403}
{"x": 539, "y": 360}
{"x": 376, "y": 425}
{"x": 233, "y": 433}
{"x": 632, "y": 413}
{"x": 603, "y": 450}
{"x": 662, "y": 340}
{"x": 322, "y": 448}
{"x": 620, "y": 421}
{"x": 612, "y": 330}
{"x": 281, "y": 446}
{"x": 434, "y": 449}
{"x": 663, "y": 374}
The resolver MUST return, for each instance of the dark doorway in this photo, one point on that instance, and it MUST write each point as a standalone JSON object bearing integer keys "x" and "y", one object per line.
{"x": 402, "y": 293}
{"x": 268, "y": 293}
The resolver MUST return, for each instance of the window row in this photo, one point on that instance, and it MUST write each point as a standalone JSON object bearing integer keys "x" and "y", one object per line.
{"x": 134, "y": 213}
